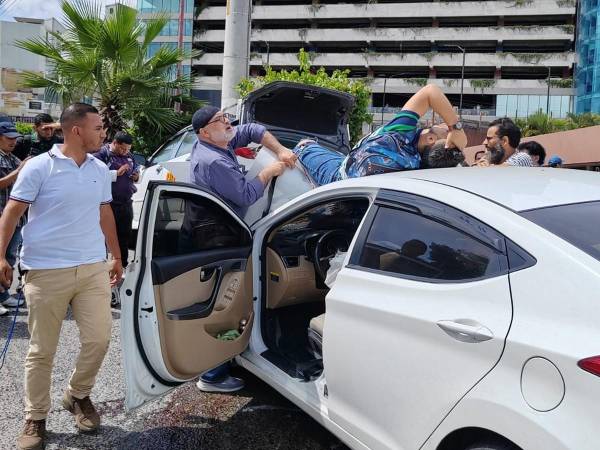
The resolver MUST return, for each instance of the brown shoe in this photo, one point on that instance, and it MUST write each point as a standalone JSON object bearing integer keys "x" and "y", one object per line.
{"x": 86, "y": 417}
{"x": 33, "y": 435}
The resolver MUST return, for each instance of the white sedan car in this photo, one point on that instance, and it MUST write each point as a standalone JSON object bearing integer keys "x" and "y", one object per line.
{"x": 464, "y": 316}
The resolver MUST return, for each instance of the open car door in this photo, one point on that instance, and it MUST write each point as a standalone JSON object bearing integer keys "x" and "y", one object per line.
{"x": 190, "y": 283}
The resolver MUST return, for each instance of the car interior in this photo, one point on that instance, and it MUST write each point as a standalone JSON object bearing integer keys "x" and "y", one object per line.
{"x": 296, "y": 260}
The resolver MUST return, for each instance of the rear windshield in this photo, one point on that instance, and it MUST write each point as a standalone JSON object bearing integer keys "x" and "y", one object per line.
{"x": 578, "y": 224}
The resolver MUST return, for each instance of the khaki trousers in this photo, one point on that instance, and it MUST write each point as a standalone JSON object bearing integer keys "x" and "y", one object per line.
{"x": 49, "y": 292}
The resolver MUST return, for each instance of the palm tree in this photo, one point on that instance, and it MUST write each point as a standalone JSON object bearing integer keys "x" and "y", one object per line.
{"x": 106, "y": 60}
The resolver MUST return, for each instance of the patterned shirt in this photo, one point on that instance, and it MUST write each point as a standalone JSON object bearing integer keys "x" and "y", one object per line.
{"x": 520, "y": 159}
{"x": 8, "y": 164}
{"x": 390, "y": 148}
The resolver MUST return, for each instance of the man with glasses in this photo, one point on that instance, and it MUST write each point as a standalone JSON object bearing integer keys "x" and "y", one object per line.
{"x": 214, "y": 166}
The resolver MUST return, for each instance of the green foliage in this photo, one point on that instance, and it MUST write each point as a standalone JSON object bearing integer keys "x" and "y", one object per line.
{"x": 541, "y": 123}
{"x": 561, "y": 82}
{"x": 106, "y": 60}
{"x": 482, "y": 84}
{"x": 416, "y": 81}
{"x": 338, "y": 80}
{"x": 24, "y": 128}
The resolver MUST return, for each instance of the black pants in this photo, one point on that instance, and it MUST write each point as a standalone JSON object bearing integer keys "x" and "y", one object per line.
{"x": 123, "y": 213}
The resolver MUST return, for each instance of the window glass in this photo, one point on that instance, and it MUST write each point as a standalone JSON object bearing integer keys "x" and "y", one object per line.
{"x": 167, "y": 152}
{"x": 412, "y": 245}
{"x": 576, "y": 224}
{"x": 187, "y": 223}
{"x": 188, "y": 141}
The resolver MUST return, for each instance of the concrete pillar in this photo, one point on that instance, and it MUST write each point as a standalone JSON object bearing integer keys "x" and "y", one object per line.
{"x": 432, "y": 72}
{"x": 236, "y": 51}
{"x": 435, "y": 23}
{"x": 498, "y": 73}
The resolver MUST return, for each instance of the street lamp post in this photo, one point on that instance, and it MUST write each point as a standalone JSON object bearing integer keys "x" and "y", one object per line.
{"x": 268, "y": 52}
{"x": 394, "y": 75}
{"x": 548, "y": 95}
{"x": 462, "y": 77}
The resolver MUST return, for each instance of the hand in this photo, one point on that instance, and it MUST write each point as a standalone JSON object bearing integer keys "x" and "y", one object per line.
{"x": 276, "y": 168}
{"x": 53, "y": 126}
{"x": 6, "y": 273}
{"x": 115, "y": 272}
{"x": 456, "y": 138}
{"x": 482, "y": 162}
{"x": 288, "y": 157}
{"x": 122, "y": 170}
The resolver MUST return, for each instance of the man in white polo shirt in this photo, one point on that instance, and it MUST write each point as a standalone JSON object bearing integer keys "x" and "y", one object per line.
{"x": 68, "y": 193}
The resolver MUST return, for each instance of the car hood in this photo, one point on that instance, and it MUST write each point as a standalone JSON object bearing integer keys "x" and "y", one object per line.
{"x": 299, "y": 109}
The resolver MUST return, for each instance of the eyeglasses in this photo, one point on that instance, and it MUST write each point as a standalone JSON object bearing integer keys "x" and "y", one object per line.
{"x": 224, "y": 118}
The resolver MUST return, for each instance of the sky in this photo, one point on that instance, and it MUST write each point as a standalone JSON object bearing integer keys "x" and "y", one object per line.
{"x": 39, "y": 9}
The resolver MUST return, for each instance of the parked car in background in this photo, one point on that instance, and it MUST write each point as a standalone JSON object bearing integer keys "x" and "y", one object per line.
{"x": 291, "y": 111}
{"x": 464, "y": 315}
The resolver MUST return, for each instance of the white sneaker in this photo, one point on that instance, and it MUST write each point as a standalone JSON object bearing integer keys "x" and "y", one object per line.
{"x": 13, "y": 301}
{"x": 3, "y": 310}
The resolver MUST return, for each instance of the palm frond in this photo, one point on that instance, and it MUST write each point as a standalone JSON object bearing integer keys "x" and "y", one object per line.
{"x": 83, "y": 21}
{"x": 153, "y": 28}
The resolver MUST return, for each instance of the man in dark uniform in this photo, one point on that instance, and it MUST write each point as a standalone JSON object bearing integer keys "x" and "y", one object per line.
{"x": 43, "y": 140}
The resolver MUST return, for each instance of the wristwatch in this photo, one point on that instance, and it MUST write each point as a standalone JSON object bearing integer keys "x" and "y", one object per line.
{"x": 457, "y": 126}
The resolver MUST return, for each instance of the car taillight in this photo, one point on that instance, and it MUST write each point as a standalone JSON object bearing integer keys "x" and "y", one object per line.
{"x": 591, "y": 365}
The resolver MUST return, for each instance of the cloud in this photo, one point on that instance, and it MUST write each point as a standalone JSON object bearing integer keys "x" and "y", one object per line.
{"x": 37, "y": 9}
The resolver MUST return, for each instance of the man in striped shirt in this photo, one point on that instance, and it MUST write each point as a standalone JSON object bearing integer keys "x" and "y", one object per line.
{"x": 394, "y": 147}
{"x": 503, "y": 137}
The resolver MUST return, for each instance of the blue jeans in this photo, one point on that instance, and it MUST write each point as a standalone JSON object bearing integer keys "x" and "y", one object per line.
{"x": 217, "y": 374}
{"x": 11, "y": 255}
{"x": 322, "y": 164}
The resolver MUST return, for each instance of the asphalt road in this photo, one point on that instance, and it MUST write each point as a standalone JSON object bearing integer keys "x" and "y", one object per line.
{"x": 255, "y": 418}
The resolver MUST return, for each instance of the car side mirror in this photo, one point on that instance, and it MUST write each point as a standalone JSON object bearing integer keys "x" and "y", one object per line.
{"x": 140, "y": 159}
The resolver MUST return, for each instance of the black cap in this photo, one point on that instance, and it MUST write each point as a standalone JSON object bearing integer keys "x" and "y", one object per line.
{"x": 8, "y": 129}
{"x": 203, "y": 116}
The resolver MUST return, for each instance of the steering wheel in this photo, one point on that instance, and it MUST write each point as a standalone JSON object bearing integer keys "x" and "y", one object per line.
{"x": 327, "y": 246}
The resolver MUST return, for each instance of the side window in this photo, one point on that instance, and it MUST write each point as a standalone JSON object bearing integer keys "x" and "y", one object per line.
{"x": 415, "y": 246}
{"x": 188, "y": 141}
{"x": 188, "y": 223}
{"x": 168, "y": 151}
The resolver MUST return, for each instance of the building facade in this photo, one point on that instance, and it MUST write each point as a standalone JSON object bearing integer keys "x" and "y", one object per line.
{"x": 515, "y": 51}
{"x": 588, "y": 49}
{"x": 15, "y": 100}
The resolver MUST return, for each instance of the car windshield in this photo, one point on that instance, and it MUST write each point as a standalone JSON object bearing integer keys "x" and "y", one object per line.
{"x": 576, "y": 223}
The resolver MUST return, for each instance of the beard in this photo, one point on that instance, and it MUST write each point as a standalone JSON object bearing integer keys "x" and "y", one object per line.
{"x": 495, "y": 154}
{"x": 228, "y": 135}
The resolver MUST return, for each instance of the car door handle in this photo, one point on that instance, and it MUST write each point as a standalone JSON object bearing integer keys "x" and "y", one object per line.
{"x": 466, "y": 330}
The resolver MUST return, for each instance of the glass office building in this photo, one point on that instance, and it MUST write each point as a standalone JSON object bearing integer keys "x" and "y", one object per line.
{"x": 169, "y": 35}
{"x": 588, "y": 49}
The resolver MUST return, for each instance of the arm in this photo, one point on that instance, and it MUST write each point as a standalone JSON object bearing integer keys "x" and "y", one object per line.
{"x": 109, "y": 229}
{"x": 231, "y": 184}
{"x": 432, "y": 97}
{"x": 8, "y": 222}
{"x": 283, "y": 153}
{"x": 12, "y": 177}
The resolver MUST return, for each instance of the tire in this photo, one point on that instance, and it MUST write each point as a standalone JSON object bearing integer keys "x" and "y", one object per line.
{"x": 494, "y": 444}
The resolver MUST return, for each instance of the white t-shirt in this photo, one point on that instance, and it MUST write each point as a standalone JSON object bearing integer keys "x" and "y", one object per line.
{"x": 63, "y": 228}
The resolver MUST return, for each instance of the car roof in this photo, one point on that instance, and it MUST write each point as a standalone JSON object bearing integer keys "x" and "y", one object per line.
{"x": 516, "y": 188}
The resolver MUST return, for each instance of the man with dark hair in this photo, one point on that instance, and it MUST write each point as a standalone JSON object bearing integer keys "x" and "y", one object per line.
{"x": 438, "y": 156}
{"x": 535, "y": 150}
{"x": 124, "y": 172}
{"x": 394, "y": 147}
{"x": 10, "y": 166}
{"x": 42, "y": 140}
{"x": 503, "y": 137}
{"x": 67, "y": 192}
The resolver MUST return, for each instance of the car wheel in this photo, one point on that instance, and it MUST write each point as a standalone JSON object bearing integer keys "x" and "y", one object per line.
{"x": 495, "y": 444}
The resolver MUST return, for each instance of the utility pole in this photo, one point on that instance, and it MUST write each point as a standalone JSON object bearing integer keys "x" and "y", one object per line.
{"x": 236, "y": 52}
